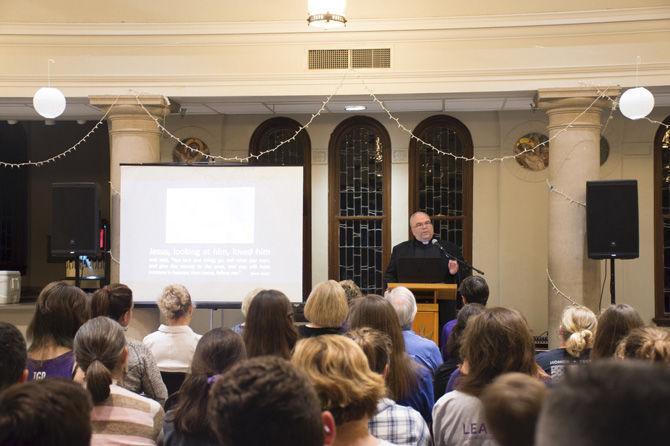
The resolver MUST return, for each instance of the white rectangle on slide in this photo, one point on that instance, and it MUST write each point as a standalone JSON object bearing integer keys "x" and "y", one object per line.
{"x": 205, "y": 215}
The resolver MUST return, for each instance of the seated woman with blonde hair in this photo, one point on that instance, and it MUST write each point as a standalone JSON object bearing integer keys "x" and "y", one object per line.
{"x": 577, "y": 330}
{"x": 326, "y": 310}
{"x": 173, "y": 344}
{"x": 339, "y": 371}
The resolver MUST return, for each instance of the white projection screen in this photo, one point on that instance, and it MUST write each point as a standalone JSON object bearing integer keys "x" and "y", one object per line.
{"x": 221, "y": 231}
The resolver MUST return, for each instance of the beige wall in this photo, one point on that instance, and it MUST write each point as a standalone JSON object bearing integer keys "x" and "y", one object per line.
{"x": 232, "y": 48}
{"x": 510, "y": 203}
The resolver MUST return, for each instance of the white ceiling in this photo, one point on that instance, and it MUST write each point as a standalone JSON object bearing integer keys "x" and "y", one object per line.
{"x": 21, "y": 109}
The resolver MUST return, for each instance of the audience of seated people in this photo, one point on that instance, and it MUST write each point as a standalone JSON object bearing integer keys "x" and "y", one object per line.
{"x": 472, "y": 290}
{"x": 422, "y": 350}
{"x": 498, "y": 388}
{"x": 392, "y": 422}
{"x": 142, "y": 375}
{"x": 450, "y": 366}
{"x": 269, "y": 326}
{"x": 512, "y": 404}
{"x": 59, "y": 312}
{"x": 576, "y": 332}
{"x": 119, "y": 416}
{"x": 495, "y": 341}
{"x": 244, "y": 309}
{"x": 326, "y": 310}
{"x": 408, "y": 383}
{"x": 614, "y": 324}
{"x": 347, "y": 388}
{"x": 13, "y": 353}
{"x": 267, "y": 401}
{"x": 187, "y": 424}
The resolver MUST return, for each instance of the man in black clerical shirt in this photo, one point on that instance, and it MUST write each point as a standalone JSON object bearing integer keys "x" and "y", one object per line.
{"x": 422, "y": 246}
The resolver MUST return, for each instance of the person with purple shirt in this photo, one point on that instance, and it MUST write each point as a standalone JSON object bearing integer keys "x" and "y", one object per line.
{"x": 59, "y": 312}
{"x": 473, "y": 290}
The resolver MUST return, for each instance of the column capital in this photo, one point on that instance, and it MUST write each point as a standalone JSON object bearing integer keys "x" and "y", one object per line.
{"x": 553, "y": 98}
{"x": 157, "y": 105}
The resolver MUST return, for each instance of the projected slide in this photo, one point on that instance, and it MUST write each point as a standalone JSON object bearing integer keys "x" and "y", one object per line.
{"x": 220, "y": 231}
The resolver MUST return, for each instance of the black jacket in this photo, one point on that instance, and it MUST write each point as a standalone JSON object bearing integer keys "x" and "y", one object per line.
{"x": 414, "y": 248}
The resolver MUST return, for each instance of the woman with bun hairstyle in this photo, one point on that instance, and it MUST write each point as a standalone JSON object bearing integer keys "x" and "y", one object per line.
{"x": 576, "y": 332}
{"x": 142, "y": 375}
{"x": 59, "y": 312}
{"x": 119, "y": 416}
{"x": 173, "y": 344}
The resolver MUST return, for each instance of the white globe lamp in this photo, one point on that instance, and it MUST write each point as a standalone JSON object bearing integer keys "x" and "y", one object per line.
{"x": 636, "y": 103}
{"x": 49, "y": 102}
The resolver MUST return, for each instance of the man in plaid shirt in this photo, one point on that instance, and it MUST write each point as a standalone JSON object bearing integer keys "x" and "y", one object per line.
{"x": 396, "y": 424}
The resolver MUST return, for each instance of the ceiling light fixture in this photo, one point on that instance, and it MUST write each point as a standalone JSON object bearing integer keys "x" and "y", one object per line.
{"x": 12, "y": 121}
{"x": 49, "y": 102}
{"x": 355, "y": 107}
{"x": 326, "y": 14}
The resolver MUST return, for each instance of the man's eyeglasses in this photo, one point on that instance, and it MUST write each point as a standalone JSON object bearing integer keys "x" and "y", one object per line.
{"x": 423, "y": 224}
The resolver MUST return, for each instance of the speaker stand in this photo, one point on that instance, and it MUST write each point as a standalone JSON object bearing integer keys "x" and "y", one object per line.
{"x": 612, "y": 282}
{"x": 77, "y": 268}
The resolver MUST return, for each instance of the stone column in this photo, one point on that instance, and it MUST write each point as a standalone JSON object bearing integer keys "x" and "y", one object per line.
{"x": 574, "y": 159}
{"x": 133, "y": 138}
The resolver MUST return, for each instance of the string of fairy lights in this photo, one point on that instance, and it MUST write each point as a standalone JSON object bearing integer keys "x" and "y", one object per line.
{"x": 601, "y": 94}
{"x": 557, "y": 291}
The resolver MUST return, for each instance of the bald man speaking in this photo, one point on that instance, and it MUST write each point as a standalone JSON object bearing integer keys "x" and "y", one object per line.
{"x": 424, "y": 245}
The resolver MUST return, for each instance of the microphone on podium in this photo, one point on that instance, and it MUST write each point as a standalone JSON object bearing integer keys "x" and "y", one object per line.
{"x": 453, "y": 257}
{"x": 444, "y": 251}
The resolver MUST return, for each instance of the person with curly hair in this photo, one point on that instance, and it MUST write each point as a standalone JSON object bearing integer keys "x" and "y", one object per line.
{"x": 173, "y": 344}
{"x": 647, "y": 344}
{"x": 339, "y": 371}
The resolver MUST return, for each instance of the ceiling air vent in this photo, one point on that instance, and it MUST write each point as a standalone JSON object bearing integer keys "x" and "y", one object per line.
{"x": 351, "y": 58}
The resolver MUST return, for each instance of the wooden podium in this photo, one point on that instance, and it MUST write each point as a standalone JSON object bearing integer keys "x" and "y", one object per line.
{"x": 427, "y": 321}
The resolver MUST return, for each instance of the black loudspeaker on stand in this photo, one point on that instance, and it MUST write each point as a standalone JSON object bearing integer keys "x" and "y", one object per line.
{"x": 612, "y": 222}
{"x": 75, "y": 221}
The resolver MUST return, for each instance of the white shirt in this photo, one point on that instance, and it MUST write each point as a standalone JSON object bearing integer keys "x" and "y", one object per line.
{"x": 173, "y": 347}
{"x": 458, "y": 420}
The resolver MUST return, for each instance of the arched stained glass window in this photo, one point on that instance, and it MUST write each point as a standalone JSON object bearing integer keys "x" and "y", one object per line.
{"x": 359, "y": 202}
{"x": 662, "y": 224}
{"x": 294, "y": 153}
{"x": 441, "y": 185}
